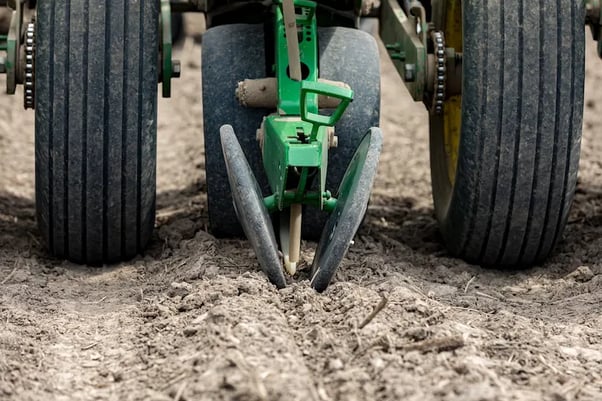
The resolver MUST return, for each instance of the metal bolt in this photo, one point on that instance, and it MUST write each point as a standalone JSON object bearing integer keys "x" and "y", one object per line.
{"x": 2, "y": 65}
{"x": 176, "y": 69}
{"x": 410, "y": 72}
{"x": 333, "y": 140}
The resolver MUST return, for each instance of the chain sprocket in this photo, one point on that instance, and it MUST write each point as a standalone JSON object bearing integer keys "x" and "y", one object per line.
{"x": 29, "y": 77}
{"x": 440, "y": 74}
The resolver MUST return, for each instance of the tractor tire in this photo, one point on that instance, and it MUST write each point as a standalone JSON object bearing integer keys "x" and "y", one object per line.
{"x": 96, "y": 123}
{"x": 232, "y": 53}
{"x": 504, "y": 156}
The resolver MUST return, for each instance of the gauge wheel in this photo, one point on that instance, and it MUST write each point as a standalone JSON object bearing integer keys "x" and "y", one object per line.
{"x": 505, "y": 151}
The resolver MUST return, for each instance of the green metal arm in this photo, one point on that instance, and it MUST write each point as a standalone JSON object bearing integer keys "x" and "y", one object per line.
{"x": 318, "y": 88}
{"x": 405, "y": 38}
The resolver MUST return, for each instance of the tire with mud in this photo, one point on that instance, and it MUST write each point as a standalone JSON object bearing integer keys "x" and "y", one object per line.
{"x": 505, "y": 154}
{"x": 96, "y": 122}
{"x": 232, "y": 53}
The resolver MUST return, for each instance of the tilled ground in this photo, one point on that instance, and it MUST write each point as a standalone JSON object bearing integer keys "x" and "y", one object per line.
{"x": 193, "y": 319}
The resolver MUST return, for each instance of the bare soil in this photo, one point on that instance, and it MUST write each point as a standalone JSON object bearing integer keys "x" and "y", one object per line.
{"x": 194, "y": 319}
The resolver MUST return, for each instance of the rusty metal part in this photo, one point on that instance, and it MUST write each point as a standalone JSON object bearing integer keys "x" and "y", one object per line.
{"x": 453, "y": 85}
{"x": 263, "y": 93}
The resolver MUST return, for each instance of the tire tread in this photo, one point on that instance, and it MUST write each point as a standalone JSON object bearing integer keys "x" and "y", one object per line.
{"x": 95, "y": 145}
{"x": 519, "y": 155}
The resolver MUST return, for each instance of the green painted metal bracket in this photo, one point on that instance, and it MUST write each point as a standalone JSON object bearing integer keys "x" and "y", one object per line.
{"x": 308, "y": 89}
{"x": 313, "y": 198}
{"x": 405, "y": 39}
{"x": 289, "y": 157}
{"x": 296, "y": 140}
{"x": 166, "y": 48}
{"x": 13, "y": 44}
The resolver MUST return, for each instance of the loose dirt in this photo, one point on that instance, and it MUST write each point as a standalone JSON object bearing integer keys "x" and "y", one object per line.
{"x": 194, "y": 319}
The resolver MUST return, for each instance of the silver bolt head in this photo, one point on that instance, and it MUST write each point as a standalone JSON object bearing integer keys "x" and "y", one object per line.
{"x": 176, "y": 69}
{"x": 410, "y": 72}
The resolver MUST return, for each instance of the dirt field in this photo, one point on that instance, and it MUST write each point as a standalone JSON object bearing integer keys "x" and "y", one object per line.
{"x": 193, "y": 319}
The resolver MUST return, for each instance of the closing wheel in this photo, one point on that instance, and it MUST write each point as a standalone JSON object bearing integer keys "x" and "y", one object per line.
{"x": 232, "y": 53}
{"x": 96, "y": 121}
{"x": 505, "y": 154}
{"x": 352, "y": 201}
{"x": 249, "y": 207}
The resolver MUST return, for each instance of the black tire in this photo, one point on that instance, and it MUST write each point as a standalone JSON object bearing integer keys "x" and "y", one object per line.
{"x": 234, "y": 52}
{"x": 521, "y": 114}
{"x": 231, "y": 53}
{"x": 96, "y": 121}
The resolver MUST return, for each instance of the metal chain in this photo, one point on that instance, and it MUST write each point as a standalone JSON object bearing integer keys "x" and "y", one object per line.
{"x": 440, "y": 72}
{"x": 29, "y": 81}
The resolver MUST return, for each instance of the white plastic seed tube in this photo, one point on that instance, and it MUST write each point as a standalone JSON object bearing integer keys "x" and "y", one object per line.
{"x": 294, "y": 239}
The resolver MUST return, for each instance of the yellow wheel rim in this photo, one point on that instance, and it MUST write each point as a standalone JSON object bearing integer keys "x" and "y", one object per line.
{"x": 452, "y": 115}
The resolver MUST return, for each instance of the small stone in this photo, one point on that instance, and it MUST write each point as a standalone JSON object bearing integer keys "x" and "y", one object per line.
{"x": 5, "y": 389}
{"x": 117, "y": 376}
{"x": 377, "y": 363}
{"x": 179, "y": 289}
{"x": 417, "y": 333}
{"x": 581, "y": 274}
{"x": 190, "y": 331}
{"x": 186, "y": 227}
{"x": 558, "y": 397}
{"x": 200, "y": 319}
{"x": 335, "y": 364}
{"x": 587, "y": 354}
